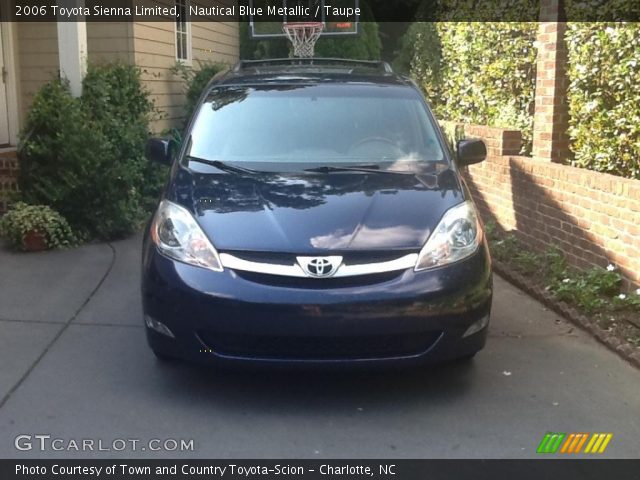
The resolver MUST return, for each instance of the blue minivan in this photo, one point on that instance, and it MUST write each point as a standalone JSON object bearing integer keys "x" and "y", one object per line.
{"x": 315, "y": 215}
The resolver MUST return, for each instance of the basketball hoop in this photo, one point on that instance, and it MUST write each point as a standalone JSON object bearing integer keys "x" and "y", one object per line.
{"x": 303, "y": 36}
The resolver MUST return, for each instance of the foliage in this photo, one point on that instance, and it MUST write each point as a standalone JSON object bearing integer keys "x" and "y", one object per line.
{"x": 485, "y": 73}
{"x": 506, "y": 248}
{"x": 365, "y": 46}
{"x": 196, "y": 81}
{"x": 555, "y": 264}
{"x": 420, "y": 55}
{"x": 591, "y": 290}
{"x": 85, "y": 157}
{"x": 476, "y": 72}
{"x": 23, "y": 219}
{"x": 475, "y": 11}
{"x": 582, "y": 11}
{"x": 604, "y": 98}
{"x": 453, "y": 132}
{"x": 251, "y": 49}
{"x": 116, "y": 99}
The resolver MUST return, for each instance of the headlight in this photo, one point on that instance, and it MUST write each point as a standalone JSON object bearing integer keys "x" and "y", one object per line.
{"x": 177, "y": 235}
{"x": 457, "y": 236}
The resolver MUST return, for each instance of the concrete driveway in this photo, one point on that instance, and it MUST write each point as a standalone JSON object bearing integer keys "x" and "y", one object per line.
{"x": 74, "y": 365}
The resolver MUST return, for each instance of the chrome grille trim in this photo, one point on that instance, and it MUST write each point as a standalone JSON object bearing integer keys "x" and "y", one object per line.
{"x": 234, "y": 263}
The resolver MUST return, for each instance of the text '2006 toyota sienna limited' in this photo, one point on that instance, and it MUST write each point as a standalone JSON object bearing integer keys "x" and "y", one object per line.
{"x": 314, "y": 214}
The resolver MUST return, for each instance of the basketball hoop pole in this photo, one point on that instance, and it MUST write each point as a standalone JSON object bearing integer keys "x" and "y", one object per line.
{"x": 303, "y": 36}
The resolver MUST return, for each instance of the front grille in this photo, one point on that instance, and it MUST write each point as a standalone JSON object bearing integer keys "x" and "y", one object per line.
{"x": 318, "y": 283}
{"x": 349, "y": 257}
{"x": 319, "y": 348}
{"x": 272, "y": 260}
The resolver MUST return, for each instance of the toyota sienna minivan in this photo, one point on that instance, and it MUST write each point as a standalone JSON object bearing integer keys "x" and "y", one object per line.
{"x": 315, "y": 215}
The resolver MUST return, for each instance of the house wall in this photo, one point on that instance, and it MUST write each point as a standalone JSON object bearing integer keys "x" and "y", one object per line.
{"x": 110, "y": 42}
{"x": 37, "y": 59}
{"x": 155, "y": 53}
{"x": 37, "y": 52}
{"x": 150, "y": 45}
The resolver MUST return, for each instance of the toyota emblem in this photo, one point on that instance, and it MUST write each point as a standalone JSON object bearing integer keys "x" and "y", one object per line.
{"x": 320, "y": 267}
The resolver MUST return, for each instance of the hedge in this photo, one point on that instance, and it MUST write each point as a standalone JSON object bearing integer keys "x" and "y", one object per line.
{"x": 84, "y": 157}
{"x": 195, "y": 81}
{"x": 476, "y": 72}
{"x": 604, "y": 96}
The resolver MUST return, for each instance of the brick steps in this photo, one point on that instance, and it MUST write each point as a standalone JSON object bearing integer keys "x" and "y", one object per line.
{"x": 8, "y": 177}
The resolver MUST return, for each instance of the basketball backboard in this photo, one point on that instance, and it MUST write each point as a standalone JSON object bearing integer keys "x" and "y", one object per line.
{"x": 340, "y": 17}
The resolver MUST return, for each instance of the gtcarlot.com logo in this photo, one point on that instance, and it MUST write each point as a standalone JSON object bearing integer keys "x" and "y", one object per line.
{"x": 46, "y": 442}
{"x": 574, "y": 443}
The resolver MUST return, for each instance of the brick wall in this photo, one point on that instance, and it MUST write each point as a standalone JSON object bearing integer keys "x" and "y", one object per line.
{"x": 593, "y": 217}
{"x": 8, "y": 178}
{"x": 551, "y": 117}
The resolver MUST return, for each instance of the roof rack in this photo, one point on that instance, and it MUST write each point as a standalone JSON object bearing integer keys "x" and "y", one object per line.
{"x": 338, "y": 62}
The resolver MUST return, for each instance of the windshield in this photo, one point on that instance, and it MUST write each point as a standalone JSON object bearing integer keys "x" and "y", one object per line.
{"x": 318, "y": 124}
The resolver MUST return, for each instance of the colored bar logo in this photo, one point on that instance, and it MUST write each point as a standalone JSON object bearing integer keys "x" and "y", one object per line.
{"x": 574, "y": 443}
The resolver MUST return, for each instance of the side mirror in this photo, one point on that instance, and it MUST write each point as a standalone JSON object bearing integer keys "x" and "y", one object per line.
{"x": 158, "y": 150}
{"x": 470, "y": 151}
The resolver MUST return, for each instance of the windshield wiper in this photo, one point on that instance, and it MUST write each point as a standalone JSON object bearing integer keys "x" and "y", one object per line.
{"x": 363, "y": 168}
{"x": 225, "y": 167}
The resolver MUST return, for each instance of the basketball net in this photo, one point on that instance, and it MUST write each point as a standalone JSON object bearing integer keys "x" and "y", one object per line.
{"x": 303, "y": 36}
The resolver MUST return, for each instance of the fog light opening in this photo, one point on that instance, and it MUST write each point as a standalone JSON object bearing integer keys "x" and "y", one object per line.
{"x": 477, "y": 326}
{"x": 159, "y": 327}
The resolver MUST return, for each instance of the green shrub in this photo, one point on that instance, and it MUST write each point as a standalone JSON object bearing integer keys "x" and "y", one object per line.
{"x": 591, "y": 289}
{"x": 251, "y": 49}
{"x": 596, "y": 290}
{"x": 195, "y": 81}
{"x": 365, "y": 46}
{"x": 601, "y": 11}
{"x": 117, "y": 101}
{"x": 476, "y": 72}
{"x": 62, "y": 156}
{"x": 453, "y": 132}
{"x": 23, "y": 219}
{"x": 604, "y": 98}
{"x": 85, "y": 157}
{"x": 505, "y": 249}
{"x": 420, "y": 56}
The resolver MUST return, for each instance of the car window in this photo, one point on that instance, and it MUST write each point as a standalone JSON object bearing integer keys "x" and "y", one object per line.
{"x": 315, "y": 124}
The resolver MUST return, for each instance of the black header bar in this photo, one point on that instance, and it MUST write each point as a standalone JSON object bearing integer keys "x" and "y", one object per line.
{"x": 372, "y": 10}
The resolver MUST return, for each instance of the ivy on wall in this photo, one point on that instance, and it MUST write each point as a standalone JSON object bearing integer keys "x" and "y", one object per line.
{"x": 476, "y": 72}
{"x": 604, "y": 96}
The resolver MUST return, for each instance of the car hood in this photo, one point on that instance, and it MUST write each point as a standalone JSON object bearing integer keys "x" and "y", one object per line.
{"x": 316, "y": 212}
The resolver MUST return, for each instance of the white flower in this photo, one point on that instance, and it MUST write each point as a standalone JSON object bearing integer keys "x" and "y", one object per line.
{"x": 610, "y": 268}
{"x": 566, "y": 280}
{"x": 638, "y": 291}
{"x": 622, "y": 296}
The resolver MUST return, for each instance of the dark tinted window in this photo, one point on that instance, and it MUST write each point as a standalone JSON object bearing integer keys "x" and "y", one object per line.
{"x": 317, "y": 123}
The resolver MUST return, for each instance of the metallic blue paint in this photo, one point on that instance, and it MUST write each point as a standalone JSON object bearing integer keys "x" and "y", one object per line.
{"x": 303, "y": 213}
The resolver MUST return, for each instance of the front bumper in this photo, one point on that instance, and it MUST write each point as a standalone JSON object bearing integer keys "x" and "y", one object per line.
{"x": 412, "y": 318}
